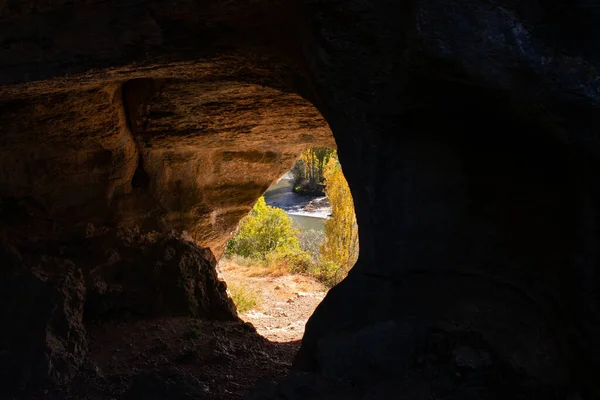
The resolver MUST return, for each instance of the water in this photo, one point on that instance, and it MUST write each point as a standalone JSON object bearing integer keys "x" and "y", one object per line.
{"x": 306, "y": 223}
{"x": 307, "y": 212}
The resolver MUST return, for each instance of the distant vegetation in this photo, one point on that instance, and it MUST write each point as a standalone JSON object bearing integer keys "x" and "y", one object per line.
{"x": 267, "y": 229}
{"x": 339, "y": 251}
{"x": 267, "y": 237}
{"x": 309, "y": 170}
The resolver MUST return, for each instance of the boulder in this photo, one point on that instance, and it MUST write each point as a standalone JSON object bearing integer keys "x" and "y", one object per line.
{"x": 162, "y": 277}
{"x": 390, "y": 360}
{"x": 42, "y": 339}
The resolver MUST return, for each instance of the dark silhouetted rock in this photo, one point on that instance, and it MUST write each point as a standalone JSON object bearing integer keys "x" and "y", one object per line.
{"x": 42, "y": 338}
{"x": 372, "y": 354}
{"x": 160, "y": 277}
{"x": 387, "y": 361}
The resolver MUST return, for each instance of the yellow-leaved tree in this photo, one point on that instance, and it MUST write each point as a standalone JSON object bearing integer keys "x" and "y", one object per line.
{"x": 315, "y": 159}
{"x": 339, "y": 251}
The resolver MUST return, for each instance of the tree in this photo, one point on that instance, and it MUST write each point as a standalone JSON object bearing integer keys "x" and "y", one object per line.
{"x": 315, "y": 159}
{"x": 299, "y": 172}
{"x": 339, "y": 252}
{"x": 264, "y": 230}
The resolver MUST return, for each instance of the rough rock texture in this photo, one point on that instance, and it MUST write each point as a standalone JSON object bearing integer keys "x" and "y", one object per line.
{"x": 468, "y": 131}
{"x": 47, "y": 299}
{"x": 199, "y": 156}
{"x": 42, "y": 339}
{"x": 168, "y": 277}
{"x": 469, "y": 139}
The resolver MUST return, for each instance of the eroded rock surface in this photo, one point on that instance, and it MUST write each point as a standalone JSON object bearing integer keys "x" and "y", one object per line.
{"x": 161, "y": 277}
{"x": 467, "y": 131}
{"x": 175, "y": 154}
{"x": 468, "y": 139}
{"x": 48, "y": 300}
{"x": 42, "y": 339}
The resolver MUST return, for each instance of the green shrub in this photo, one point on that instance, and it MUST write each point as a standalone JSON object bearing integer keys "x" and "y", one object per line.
{"x": 266, "y": 229}
{"x": 289, "y": 260}
{"x": 244, "y": 298}
{"x": 267, "y": 237}
{"x": 329, "y": 272}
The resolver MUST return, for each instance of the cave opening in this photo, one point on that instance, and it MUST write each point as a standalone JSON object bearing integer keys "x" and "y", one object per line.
{"x": 123, "y": 247}
{"x": 134, "y": 136}
{"x": 299, "y": 240}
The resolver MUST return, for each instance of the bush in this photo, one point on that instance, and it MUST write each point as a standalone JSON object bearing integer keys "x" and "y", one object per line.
{"x": 266, "y": 229}
{"x": 244, "y": 298}
{"x": 329, "y": 272}
{"x": 289, "y": 260}
{"x": 267, "y": 237}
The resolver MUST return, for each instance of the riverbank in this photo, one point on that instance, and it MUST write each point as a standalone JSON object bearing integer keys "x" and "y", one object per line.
{"x": 307, "y": 212}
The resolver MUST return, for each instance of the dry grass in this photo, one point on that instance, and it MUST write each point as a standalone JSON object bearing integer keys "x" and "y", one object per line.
{"x": 276, "y": 270}
{"x": 245, "y": 299}
{"x": 304, "y": 286}
{"x": 255, "y": 268}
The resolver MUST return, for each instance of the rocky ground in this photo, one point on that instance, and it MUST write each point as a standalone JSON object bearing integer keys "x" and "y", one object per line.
{"x": 285, "y": 302}
{"x": 175, "y": 358}
{"x": 187, "y": 358}
{"x": 152, "y": 322}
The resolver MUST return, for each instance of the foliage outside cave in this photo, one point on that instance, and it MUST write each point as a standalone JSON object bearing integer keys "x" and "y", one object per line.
{"x": 309, "y": 171}
{"x": 268, "y": 238}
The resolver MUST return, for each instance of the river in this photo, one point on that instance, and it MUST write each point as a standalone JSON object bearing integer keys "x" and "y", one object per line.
{"x": 307, "y": 212}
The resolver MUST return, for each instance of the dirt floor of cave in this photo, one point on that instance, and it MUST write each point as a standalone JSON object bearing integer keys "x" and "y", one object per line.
{"x": 188, "y": 358}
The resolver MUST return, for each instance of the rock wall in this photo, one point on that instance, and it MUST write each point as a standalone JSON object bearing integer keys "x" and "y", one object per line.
{"x": 467, "y": 131}
{"x": 42, "y": 341}
{"x": 152, "y": 154}
{"x": 468, "y": 137}
{"x": 50, "y": 292}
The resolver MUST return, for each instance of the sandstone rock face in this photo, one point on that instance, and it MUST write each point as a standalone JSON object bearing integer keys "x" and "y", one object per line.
{"x": 231, "y": 142}
{"x": 467, "y": 131}
{"x": 178, "y": 167}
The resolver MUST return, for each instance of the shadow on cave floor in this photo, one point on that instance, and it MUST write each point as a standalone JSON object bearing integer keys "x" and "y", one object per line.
{"x": 176, "y": 358}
